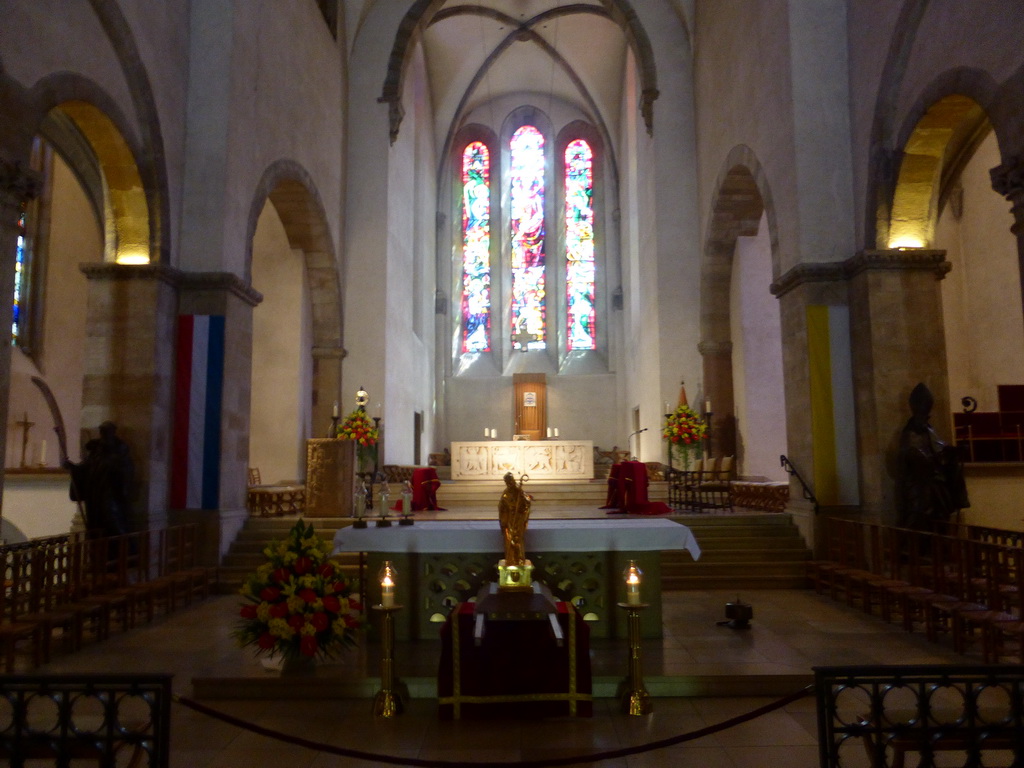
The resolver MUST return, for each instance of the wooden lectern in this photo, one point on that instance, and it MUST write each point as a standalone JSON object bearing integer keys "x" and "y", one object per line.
{"x": 330, "y": 477}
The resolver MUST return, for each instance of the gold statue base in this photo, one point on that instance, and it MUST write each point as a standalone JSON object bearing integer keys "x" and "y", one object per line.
{"x": 515, "y": 578}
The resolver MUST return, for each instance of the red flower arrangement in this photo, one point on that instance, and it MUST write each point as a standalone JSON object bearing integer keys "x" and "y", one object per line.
{"x": 684, "y": 429}
{"x": 297, "y": 603}
{"x": 358, "y": 427}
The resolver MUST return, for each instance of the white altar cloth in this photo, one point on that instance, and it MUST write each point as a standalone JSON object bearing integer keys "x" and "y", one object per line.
{"x": 541, "y": 536}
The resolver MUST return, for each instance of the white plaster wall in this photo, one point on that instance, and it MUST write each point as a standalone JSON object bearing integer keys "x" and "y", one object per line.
{"x": 981, "y": 295}
{"x": 74, "y": 238}
{"x": 279, "y": 422}
{"x": 256, "y": 96}
{"x": 757, "y": 360}
{"x": 36, "y": 506}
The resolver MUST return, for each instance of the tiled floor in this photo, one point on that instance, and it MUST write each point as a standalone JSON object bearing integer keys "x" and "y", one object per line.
{"x": 792, "y": 631}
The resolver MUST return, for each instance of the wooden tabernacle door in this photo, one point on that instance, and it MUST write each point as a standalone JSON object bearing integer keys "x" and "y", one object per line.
{"x": 531, "y": 404}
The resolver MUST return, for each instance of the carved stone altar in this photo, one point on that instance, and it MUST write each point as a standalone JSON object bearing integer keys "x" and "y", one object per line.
{"x": 540, "y": 459}
{"x": 330, "y": 477}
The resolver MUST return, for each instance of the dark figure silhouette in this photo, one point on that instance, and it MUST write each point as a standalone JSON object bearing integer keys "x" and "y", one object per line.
{"x": 931, "y": 482}
{"x": 103, "y": 482}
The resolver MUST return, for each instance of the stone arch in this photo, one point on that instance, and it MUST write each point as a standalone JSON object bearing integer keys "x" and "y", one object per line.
{"x": 741, "y": 198}
{"x": 422, "y": 12}
{"x": 290, "y": 189}
{"x": 940, "y": 133}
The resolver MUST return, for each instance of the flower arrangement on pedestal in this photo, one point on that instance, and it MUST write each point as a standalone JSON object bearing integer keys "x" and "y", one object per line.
{"x": 357, "y": 426}
{"x": 684, "y": 430}
{"x": 297, "y": 603}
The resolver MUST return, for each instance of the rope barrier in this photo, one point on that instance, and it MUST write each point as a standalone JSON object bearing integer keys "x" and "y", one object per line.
{"x": 419, "y": 763}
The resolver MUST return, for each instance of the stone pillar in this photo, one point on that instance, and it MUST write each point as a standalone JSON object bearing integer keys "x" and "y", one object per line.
{"x": 718, "y": 388}
{"x": 802, "y": 287}
{"x": 129, "y": 367}
{"x": 17, "y": 185}
{"x": 898, "y": 340}
{"x": 327, "y": 388}
{"x": 1008, "y": 181}
{"x": 226, "y": 295}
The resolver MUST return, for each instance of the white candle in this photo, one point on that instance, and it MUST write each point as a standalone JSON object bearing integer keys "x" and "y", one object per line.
{"x": 556, "y": 431}
{"x": 42, "y": 453}
{"x": 387, "y": 592}
{"x": 334, "y": 413}
{"x": 549, "y": 431}
{"x": 633, "y": 589}
{"x": 487, "y": 432}
{"x": 707, "y": 406}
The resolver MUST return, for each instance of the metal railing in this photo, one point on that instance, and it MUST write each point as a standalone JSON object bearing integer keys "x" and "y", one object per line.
{"x": 808, "y": 493}
{"x": 108, "y": 720}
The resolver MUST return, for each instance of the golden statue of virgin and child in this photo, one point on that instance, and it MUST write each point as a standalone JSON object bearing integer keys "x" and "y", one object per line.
{"x": 515, "y": 572}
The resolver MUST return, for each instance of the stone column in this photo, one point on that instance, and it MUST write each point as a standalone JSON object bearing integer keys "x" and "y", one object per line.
{"x": 803, "y": 286}
{"x": 1008, "y": 181}
{"x": 129, "y": 367}
{"x": 898, "y": 340}
{"x": 718, "y": 388}
{"x": 225, "y": 294}
{"x": 327, "y": 388}
{"x": 17, "y": 185}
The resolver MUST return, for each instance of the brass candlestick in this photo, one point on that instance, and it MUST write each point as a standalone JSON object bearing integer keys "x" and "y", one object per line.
{"x": 390, "y": 699}
{"x": 634, "y": 696}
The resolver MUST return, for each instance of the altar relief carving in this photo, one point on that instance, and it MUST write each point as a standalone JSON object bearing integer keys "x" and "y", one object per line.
{"x": 540, "y": 459}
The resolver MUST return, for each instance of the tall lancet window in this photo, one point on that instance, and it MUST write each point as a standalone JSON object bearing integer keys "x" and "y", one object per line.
{"x": 476, "y": 248}
{"x": 20, "y": 277}
{"x": 579, "y": 246}
{"x": 526, "y": 221}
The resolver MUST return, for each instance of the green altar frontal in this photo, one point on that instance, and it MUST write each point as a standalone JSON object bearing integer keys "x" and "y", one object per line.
{"x": 587, "y": 573}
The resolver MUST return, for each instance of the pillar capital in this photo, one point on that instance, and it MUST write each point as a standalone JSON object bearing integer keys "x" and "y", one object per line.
{"x": 1008, "y": 181}
{"x": 18, "y": 184}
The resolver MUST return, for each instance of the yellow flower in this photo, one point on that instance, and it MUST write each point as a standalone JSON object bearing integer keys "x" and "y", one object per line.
{"x": 279, "y": 628}
{"x": 295, "y": 604}
{"x": 263, "y": 611}
{"x": 308, "y": 629}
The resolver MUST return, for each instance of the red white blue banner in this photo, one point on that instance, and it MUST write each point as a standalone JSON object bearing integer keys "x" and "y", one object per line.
{"x": 195, "y": 451}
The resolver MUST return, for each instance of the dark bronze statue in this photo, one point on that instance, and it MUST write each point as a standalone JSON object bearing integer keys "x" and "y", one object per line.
{"x": 931, "y": 480}
{"x": 103, "y": 482}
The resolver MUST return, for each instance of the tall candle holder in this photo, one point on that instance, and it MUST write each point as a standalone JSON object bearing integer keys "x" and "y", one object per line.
{"x": 632, "y": 692}
{"x": 390, "y": 699}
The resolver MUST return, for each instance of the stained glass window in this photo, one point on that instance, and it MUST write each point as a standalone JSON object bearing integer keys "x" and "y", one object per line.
{"x": 579, "y": 245}
{"x": 19, "y": 277}
{"x": 527, "y": 234}
{"x": 476, "y": 249}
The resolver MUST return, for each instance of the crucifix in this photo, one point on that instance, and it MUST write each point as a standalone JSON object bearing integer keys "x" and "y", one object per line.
{"x": 26, "y": 427}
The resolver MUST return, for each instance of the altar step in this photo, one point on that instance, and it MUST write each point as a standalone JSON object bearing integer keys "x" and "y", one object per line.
{"x": 740, "y": 551}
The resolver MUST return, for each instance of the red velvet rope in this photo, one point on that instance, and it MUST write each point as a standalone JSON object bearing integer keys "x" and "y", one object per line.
{"x": 571, "y": 760}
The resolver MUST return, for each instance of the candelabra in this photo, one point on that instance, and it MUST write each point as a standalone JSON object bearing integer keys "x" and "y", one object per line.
{"x": 390, "y": 699}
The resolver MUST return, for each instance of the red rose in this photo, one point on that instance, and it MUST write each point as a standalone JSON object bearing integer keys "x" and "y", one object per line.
{"x": 308, "y": 595}
{"x": 266, "y": 641}
{"x": 339, "y": 586}
{"x": 278, "y": 610}
{"x": 354, "y": 605}
{"x": 296, "y": 620}
{"x": 281, "y": 575}
{"x": 331, "y": 603}
{"x": 270, "y": 594}
{"x": 248, "y": 611}
{"x": 307, "y": 646}
{"x": 326, "y": 570}
{"x": 302, "y": 565}
{"x": 320, "y": 621}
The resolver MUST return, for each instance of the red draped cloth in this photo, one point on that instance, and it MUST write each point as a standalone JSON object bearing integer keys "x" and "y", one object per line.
{"x": 424, "y": 488}
{"x": 627, "y": 490}
{"x": 517, "y": 671}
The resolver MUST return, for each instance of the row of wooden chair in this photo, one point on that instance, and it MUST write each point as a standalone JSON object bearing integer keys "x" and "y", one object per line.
{"x": 69, "y": 585}
{"x": 707, "y": 486}
{"x": 968, "y": 583}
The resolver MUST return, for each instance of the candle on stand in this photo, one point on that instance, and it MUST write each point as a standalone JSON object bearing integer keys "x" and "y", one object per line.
{"x": 42, "y": 454}
{"x": 549, "y": 431}
{"x": 707, "y": 406}
{"x": 334, "y": 413}
{"x": 487, "y": 432}
{"x": 494, "y": 433}
{"x": 556, "y": 431}
{"x": 633, "y": 584}
{"x": 387, "y": 585}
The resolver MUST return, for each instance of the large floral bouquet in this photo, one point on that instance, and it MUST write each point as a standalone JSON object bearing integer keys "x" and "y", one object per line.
{"x": 684, "y": 429}
{"x": 297, "y": 603}
{"x": 358, "y": 427}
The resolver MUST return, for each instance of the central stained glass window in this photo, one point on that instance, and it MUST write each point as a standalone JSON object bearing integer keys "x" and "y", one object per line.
{"x": 527, "y": 234}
